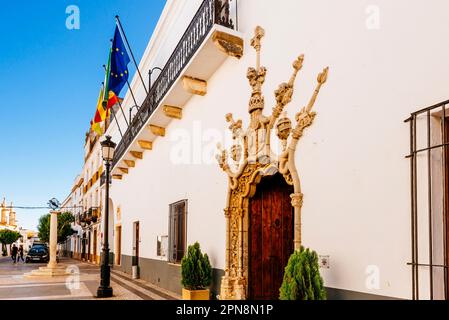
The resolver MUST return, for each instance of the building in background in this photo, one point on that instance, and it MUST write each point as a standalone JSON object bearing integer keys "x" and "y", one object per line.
{"x": 7, "y": 216}
{"x": 27, "y": 239}
{"x": 85, "y": 202}
{"x": 92, "y": 199}
{"x": 74, "y": 204}
{"x": 8, "y": 221}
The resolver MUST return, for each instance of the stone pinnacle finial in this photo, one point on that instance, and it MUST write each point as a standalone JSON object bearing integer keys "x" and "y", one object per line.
{"x": 256, "y": 43}
{"x": 321, "y": 79}
{"x": 297, "y": 66}
{"x": 256, "y": 76}
{"x": 235, "y": 126}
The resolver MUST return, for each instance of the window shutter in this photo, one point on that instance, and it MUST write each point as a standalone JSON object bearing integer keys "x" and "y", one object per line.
{"x": 177, "y": 231}
{"x": 172, "y": 239}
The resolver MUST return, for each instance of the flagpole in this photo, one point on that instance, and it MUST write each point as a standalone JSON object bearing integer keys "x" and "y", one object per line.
{"x": 113, "y": 112}
{"x": 107, "y": 98}
{"x": 130, "y": 51}
{"x": 132, "y": 94}
{"x": 134, "y": 99}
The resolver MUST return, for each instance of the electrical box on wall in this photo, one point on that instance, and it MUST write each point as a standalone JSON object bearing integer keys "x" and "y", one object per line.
{"x": 324, "y": 262}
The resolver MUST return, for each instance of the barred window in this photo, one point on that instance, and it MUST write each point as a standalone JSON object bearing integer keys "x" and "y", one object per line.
{"x": 177, "y": 231}
{"x": 429, "y": 163}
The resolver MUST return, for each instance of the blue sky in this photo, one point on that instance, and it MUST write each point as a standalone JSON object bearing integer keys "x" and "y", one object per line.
{"x": 49, "y": 82}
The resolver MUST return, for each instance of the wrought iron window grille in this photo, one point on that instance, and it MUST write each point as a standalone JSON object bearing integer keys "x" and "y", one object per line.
{"x": 426, "y": 155}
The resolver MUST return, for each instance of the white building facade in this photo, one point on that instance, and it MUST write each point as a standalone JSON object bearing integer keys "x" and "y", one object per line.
{"x": 74, "y": 204}
{"x": 372, "y": 190}
{"x": 90, "y": 218}
{"x": 85, "y": 203}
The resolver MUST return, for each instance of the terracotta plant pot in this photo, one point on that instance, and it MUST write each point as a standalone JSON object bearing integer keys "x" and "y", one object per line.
{"x": 195, "y": 294}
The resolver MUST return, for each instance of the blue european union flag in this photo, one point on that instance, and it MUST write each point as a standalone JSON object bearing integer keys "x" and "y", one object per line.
{"x": 119, "y": 64}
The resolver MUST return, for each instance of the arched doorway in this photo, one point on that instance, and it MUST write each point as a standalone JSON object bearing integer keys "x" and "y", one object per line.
{"x": 270, "y": 237}
{"x": 273, "y": 229}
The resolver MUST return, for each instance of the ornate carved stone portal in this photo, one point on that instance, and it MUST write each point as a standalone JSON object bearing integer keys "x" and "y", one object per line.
{"x": 252, "y": 159}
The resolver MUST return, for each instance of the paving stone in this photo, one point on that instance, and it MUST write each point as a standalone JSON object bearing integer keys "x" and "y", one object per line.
{"x": 77, "y": 286}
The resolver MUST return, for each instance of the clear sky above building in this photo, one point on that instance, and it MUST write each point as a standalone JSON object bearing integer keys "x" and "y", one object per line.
{"x": 50, "y": 78}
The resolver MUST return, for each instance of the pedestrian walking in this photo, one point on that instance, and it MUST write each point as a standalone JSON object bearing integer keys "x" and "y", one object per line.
{"x": 20, "y": 254}
{"x": 14, "y": 251}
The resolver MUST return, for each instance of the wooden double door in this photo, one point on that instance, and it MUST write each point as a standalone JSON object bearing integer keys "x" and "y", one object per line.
{"x": 270, "y": 237}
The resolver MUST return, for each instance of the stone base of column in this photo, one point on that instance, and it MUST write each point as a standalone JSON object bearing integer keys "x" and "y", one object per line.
{"x": 233, "y": 288}
{"x": 104, "y": 292}
{"x": 48, "y": 272}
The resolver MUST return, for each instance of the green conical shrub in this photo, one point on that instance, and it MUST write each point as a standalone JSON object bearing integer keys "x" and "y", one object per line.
{"x": 196, "y": 269}
{"x": 302, "y": 280}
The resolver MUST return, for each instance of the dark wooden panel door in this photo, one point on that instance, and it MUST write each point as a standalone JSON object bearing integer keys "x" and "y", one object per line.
{"x": 118, "y": 257}
{"x": 94, "y": 259}
{"x": 270, "y": 237}
{"x": 89, "y": 243}
{"x": 136, "y": 237}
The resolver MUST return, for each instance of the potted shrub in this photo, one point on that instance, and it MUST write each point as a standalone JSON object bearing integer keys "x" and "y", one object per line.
{"x": 196, "y": 274}
{"x": 302, "y": 280}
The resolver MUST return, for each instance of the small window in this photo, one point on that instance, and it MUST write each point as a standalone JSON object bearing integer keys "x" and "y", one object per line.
{"x": 177, "y": 231}
{"x": 162, "y": 246}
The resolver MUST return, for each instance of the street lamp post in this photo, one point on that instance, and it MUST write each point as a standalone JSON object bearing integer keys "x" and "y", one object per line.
{"x": 105, "y": 289}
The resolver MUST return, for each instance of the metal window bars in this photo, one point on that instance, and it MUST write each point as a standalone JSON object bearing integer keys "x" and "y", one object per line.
{"x": 433, "y": 118}
{"x": 177, "y": 231}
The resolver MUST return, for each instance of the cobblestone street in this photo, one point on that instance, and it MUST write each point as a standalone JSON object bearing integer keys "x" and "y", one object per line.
{"x": 81, "y": 285}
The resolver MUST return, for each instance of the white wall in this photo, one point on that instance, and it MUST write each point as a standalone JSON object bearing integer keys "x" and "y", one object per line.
{"x": 351, "y": 161}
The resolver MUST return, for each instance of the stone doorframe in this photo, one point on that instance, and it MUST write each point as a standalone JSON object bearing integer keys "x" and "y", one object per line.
{"x": 251, "y": 159}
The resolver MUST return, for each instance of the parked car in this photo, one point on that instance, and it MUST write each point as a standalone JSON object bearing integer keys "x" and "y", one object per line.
{"x": 39, "y": 244}
{"x": 38, "y": 254}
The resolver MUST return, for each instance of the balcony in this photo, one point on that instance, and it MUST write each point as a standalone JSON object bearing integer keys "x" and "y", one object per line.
{"x": 88, "y": 217}
{"x": 208, "y": 41}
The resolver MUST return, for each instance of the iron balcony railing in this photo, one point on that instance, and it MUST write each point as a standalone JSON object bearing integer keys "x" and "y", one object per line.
{"x": 88, "y": 217}
{"x": 211, "y": 12}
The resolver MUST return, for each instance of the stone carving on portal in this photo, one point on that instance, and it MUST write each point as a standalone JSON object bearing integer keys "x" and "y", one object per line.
{"x": 251, "y": 158}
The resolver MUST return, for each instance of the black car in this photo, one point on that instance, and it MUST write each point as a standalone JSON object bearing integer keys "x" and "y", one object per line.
{"x": 38, "y": 254}
{"x": 39, "y": 244}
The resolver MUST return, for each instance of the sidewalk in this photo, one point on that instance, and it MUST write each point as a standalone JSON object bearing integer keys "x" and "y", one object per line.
{"x": 81, "y": 285}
